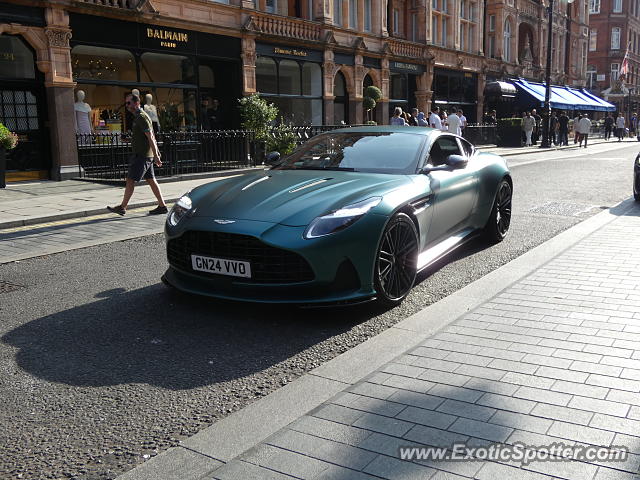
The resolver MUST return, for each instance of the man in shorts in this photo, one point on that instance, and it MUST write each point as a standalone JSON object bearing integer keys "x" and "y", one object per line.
{"x": 145, "y": 155}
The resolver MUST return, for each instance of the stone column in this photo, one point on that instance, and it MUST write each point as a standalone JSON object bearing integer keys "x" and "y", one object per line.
{"x": 248, "y": 64}
{"x": 356, "y": 114}
{"x": 382, "y": 113}
{"x": 328, "y": 73}
{"x": 59, "y": 87}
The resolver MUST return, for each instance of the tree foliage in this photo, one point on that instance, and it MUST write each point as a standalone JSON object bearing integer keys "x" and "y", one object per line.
{"x": 257, "y": 115}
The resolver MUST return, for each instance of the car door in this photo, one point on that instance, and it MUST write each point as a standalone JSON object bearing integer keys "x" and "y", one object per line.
{"x": 455, "y": 190}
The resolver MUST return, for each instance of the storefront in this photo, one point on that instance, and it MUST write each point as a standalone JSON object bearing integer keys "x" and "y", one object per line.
{"x": 453, "y": 89}
{"x": 291, "y": 79}
{"x": 23, "y": 106}
{"x": 402, "y": 85}
{"x": 190, "y": 79}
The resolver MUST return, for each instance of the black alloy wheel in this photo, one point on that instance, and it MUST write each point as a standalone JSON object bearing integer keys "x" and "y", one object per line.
{"x": 499, "y": 221}
{"x": 397, "y": 260}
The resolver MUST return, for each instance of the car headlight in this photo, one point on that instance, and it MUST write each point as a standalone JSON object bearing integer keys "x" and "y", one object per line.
{"x": 340, "y": 219}
{"x": 179, "y": 210}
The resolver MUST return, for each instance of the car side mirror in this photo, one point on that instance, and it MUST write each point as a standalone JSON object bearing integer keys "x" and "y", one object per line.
{"x": 457, "y": 161}
{"x": 271, "y": 158}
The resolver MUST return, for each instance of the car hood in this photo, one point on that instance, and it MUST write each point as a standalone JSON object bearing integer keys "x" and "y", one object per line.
{"x": 290, "y": 197}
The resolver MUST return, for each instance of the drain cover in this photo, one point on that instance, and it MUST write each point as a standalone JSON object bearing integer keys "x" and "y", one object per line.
{"x": 562, "y": 208}
{"x": 6, "y": 287}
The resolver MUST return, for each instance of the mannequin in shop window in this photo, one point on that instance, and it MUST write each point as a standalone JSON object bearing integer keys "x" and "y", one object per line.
{"x": 82, "y": 114}
{"x": 150, "y": 109}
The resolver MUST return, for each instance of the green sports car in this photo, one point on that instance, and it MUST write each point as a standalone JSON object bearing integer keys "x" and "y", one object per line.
{"x": 351, "y": 215}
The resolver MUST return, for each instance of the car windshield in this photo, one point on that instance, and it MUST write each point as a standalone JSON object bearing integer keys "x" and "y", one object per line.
{"x": 373, "y": 152}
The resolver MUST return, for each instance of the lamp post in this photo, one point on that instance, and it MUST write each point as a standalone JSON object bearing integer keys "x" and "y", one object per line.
{"x": 546, "y": 114}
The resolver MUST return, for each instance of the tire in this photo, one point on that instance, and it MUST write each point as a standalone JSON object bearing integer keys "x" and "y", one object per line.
{"x": 396, "y": 260}
{"x": 499, "y": 221}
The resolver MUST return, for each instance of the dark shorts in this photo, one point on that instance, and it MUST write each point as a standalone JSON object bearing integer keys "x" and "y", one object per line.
{"x": 140, "y": 168}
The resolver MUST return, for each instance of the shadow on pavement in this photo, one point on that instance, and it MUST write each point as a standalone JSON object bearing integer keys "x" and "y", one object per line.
{"x": 155, "y": 336}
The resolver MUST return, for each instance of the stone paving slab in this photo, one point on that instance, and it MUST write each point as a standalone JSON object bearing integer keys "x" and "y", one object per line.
{"x": 553, "y": 356}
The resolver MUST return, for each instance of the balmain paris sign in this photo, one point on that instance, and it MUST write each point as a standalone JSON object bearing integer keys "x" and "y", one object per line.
{"x": 164, "y": 38}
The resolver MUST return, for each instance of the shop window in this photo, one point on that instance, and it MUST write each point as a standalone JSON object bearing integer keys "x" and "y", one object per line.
{"x": 163, "y": 68}
{"x": 206, "y": 77}
{"x": 266, "y": 75}
{"x": 298, "y": 111}
{"x": 16, "y": 59}
{"x": 398, "y": 90}
{"x": 98, "y": 63}
{"x": 311, "y": 79}
{"x": 289, "y": 77}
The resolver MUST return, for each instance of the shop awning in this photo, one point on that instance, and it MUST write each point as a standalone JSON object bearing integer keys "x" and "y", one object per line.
{"x": 562, "y": 97}
{"x": 503, "y": 89}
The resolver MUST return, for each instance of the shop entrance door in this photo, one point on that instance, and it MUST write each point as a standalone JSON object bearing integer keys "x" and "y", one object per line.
{"x": 22, "y": 111}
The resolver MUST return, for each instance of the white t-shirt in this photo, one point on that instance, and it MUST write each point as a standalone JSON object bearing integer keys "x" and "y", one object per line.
{"x": 620, "y": 122}
{"x": 584, "y": 125}
{"x": 434, "y": 121}
{"x": 453, "y": 122}
{"x": 463, "y": 121}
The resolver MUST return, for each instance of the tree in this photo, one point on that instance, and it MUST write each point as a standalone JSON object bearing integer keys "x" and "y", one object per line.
{"x": 257, "y": 115}
{"x": 372, "y": 95}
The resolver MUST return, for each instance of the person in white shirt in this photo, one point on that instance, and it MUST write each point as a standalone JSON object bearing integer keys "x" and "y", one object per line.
{"x": 434, "y": 119}
{"x": 620, "y": 127}
{"x": 584, "y": 127}
{"x": 453, "y": 123}
{"x": 463, "y": 121}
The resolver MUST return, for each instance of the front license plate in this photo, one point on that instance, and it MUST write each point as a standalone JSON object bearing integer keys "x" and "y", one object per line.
{"x": 221, "y": 266}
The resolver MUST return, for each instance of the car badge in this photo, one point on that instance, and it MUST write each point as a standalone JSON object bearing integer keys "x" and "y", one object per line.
{"x": 224, "y": 222}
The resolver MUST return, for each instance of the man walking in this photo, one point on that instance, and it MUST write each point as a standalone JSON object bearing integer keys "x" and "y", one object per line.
{"x": 463, "y": 121}
{"x": 453, "y": 123}
{"x": 584, "y": 127}
{"x": 145, "y": 154}
{"x": 620, "y": 127}
{"x": 528, "y": 124}
{"x": 563, "y": 129}
{"x": 434, "y": 118}
{"x": 608, "y": 126}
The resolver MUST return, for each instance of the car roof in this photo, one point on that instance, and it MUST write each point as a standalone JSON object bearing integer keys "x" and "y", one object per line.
{"x": 386, "y": 129}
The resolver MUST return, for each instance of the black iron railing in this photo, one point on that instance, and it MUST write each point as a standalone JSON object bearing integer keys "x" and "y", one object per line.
{"x": 106, "y": 156}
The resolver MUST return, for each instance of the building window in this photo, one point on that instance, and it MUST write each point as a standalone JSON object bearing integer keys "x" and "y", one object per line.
{"x": 591, "y": 76}
{"x": 594, "y": 6}
{"x": 462, "y": 8}
{"x": 506, "y": 45}
{"x": 444, "y": 31}
{"x": 367, "y": 15}
{"x": 492, "y": 46}
{"x": 414, "y": 27}
{"x": 615, "y": 38}
{"x": 98, "y": 63}
{"x": 396, "y": 21}
{"x": 337, "y": 12}
{"x": 445, "y": 6}
{"x": 20, "y": 64}
{"x": 434, "y": 29}
{"x": 617, "y": 6}
{"x": 272, "y": 6}
{"x": 462, "y": 37}
{"x": 353, "y": 14}
{"x": 492, "y": 23}
{"x": 615, "y": 71}
{"x": 593, "y": 40}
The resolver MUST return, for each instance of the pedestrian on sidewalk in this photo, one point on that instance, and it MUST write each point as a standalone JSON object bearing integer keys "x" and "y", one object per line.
{"x": 576, "y": 135}
{"x": 463, "y": 121}
{"x": 584, "y": 127}
{"x": 620, "y": 126}
{"x": 608, "y": 126}
{"x": 563, "y": 129}
{"x": 633, "y": 125}
{"x": 397, "y": 118}
{"x": 537, "y": 130}
{"x": 145, "y": 155}
{"x": 528, "y": 124}
{"x": 553, "y": 129}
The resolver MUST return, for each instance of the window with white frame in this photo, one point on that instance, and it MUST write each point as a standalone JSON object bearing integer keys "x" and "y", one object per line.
{"x": 615, "y": 71}
{"x": 615, "y": 38}
{"x": 594, "y": 6}
{"x": 467, "y": 26}
{"x": 440, "y": 23}
{"x": 593, "y": 40}
{"x": 492, "y": 23}
{"x": 506, "y": 44}
{"x": 617, "y": 6}
{"x": 592, "y": 74}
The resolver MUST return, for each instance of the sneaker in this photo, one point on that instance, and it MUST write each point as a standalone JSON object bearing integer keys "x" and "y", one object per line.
{"x": 159, "y": 210}
{"x": 119, "y": 210}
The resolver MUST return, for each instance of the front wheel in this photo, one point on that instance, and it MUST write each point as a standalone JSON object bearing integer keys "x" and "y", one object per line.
{"x": 499, "y": 221}
{"x": 396, "y": 261}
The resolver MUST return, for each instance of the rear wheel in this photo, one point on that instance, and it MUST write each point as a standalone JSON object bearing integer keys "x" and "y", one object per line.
{"x": 499, "y": 221}
{"x": 397, "y": 260}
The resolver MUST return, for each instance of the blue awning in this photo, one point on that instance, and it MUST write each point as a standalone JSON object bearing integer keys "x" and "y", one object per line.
{"x": 562, "y": 97}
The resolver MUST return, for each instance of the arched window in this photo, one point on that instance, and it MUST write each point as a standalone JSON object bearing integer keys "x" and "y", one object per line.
{"x": 506, "y": 47}
{"x": 341, "y": 101}
{"x": 266, "y": 75}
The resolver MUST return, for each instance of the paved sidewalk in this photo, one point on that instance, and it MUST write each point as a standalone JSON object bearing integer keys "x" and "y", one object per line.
{"x": 545, "y": 349}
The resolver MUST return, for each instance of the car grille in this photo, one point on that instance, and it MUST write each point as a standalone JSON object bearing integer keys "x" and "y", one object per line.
{"x": 268, "y": 264}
